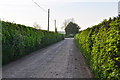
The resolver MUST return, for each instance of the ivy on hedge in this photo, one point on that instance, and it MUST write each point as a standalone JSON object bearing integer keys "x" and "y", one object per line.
{"x": 100, "y": 45}
{"x": 19, "y": 40}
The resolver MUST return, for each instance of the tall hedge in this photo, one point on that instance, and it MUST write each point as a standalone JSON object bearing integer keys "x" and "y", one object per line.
{"x": 100, "y": 45}
{"x": 19, "y": 40}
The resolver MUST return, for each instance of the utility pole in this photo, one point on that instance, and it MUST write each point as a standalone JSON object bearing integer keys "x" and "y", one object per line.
{"x": 119, "y": 8}
{"x": 48, "y": 18}
{"x": 55, "y": 24}
{"x": 55, "y": 27}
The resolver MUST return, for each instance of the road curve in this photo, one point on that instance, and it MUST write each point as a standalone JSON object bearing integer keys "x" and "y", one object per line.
{"x": 60, "y": 60}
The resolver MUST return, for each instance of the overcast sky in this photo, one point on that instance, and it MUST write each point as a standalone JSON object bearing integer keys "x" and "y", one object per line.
{"x": 85, "y": 12}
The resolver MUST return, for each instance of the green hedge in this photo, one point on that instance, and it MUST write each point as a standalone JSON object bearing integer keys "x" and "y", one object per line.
{"x": 19, "y": 40}
{"x": 100, "y": 45}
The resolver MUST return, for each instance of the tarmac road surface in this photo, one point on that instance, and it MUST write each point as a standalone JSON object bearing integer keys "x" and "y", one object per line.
{"x": 60, "y": 60}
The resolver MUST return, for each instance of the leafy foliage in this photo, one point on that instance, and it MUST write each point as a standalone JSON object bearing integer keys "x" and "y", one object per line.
{"x": 19, "y": 40}
{"x": 100, "y": 45}
{"x": 72, "y": 29}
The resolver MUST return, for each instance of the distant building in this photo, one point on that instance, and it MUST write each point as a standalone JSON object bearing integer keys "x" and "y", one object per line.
{"x": 119, "y": 8}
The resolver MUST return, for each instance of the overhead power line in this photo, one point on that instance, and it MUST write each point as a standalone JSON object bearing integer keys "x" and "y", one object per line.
{"x": 42, "y": 8}
{"x": 39, "y": 6}
{"x": 45, "y": 12}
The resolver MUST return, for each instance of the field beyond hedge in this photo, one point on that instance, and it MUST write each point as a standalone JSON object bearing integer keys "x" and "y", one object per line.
{"x": 100, "y": 45}
{"x": 19, "y": 40}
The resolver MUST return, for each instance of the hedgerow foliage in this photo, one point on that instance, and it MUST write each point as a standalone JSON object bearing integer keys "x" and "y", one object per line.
{"x": 19, "y": 40}
{"x": 100, "y": 45}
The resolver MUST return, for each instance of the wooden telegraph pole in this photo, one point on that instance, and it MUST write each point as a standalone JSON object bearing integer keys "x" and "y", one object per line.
{"x": 48, "y": 18}
{"x": 55, "y": 24}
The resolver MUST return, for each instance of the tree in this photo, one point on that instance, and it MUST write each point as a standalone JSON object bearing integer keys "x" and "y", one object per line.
{"x": 37, "y": 26}
{"x": 72, "y": 29}
{"x": 66, "y": 22}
